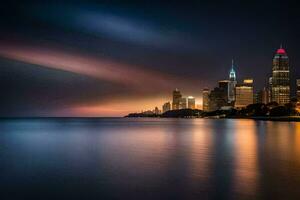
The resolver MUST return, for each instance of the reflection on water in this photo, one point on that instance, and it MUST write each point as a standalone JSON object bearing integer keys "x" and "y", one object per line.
{"x": 246, "y": 171}
{"x": 149, "y": 159}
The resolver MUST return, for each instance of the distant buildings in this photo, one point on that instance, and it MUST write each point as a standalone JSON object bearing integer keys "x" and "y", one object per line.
{"x": 280, "y": 90}
{"x": 176, "y": 99}
{"x": 205, "y": 99}
{"x": 244, "y": 94}
{"x": 230, "y": 93}
{"x": 180, "y": 102}
{"x": 156, "y": 111}
{"x": 191, "y": 102}
{"x": 166, "y": 107}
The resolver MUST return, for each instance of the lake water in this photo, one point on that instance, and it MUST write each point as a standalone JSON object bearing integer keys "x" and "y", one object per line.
{"x": 120, "y": 158}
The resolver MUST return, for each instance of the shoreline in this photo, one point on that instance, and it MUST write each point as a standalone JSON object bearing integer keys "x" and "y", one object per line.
{"x": 262, "y": 118}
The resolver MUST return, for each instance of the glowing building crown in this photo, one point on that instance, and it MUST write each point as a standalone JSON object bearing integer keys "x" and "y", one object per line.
{"x": 232, "y": 75}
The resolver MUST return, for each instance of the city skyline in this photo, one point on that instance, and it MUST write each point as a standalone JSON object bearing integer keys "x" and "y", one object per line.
{"x": 110, "y": 59}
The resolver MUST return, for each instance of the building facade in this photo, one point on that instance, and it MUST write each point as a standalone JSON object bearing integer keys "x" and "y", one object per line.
{"x": 280, "y": 90}
{"x": 166, "y": 107}
{"x": 224, "y": 85}
{"x": 217, "y": 99}
{"x": 156, "y": 111}
{"x": 176, "y": 99}
{"x": 244, "y": 94}
{"x": 298, "y": 89}
{"x": 191, "y": 102}
{"x": 205, "y": 100}
{"x": 182, "y": 103}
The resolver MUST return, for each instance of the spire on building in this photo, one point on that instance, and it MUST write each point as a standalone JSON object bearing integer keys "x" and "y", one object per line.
{"x": 232, "y": 75}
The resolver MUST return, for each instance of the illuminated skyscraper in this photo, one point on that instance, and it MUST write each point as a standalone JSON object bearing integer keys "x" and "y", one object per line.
{"x": 182, "y": 103}
{"x": 205, "y": 100}
{"x": 298, "y": 89}
{"x": 176, "y": 99}
{"x": 281, "y": 78}
{"x": 232, "y": 83}
{"x": 244, "y": 94}
{"x": 166, "y": 107}
{"x": 191, "y": 102}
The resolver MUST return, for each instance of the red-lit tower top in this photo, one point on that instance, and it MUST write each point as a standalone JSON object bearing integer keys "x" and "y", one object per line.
{"x": 281, "y": 50}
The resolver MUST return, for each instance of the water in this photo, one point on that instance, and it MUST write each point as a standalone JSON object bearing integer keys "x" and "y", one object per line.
{"x": 149, "y": 159}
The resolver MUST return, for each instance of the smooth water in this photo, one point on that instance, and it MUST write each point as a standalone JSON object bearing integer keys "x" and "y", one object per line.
{"x": 120, "y": 158}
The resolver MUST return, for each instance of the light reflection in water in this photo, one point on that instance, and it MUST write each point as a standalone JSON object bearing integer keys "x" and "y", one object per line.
{"x": 162, "y": 158}
{"x": 246, "y": 172}
{"x": 201, "y": 155}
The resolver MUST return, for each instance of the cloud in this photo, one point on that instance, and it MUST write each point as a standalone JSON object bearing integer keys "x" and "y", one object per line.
{"x": 100, "y": 22}
{"x": 142, "y": 88}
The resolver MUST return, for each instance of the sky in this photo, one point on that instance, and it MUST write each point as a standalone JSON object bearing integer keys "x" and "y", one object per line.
{"x": 110, "y": 58}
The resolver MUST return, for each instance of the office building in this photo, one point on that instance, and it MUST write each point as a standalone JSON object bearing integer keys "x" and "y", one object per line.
{"x": 217, "y": 99}
{"x": 176, "y": 99}
{"x": 205, "y": 100}
{"x": 182, "y": 103}
{"x": 191, "y": 102}
{"x": 224, "y": 85}
{"x": 263, "y": 96}
{"x": 298, "y": 90}
{"x": 281, "y": 77}
{"x": 244, "y": 94}
{"x": 166, "y": 107}
{"x": 156, "y": 111}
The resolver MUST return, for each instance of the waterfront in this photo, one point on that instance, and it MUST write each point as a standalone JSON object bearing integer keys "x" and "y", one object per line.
{"x": 149, "y": 158}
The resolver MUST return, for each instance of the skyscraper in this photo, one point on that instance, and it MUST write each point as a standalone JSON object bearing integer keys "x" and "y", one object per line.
{"x": 205, "y": 99}
{"x": 182, "y": 103}
{"x": 224, "y": 85}
{"x": 244, "y": 94}
{"x": 156, "y": 111}
{"x": 191, "y": 102}
{"x": 232, "y": 83}
{"x": 176, "y": 99}
{"x": 166, "y": 107}
{"x": 298, "y": 89}
{"x": 262, "y": 96}
{"x": 281, "y": 77}
{"x": 217, "y": 99}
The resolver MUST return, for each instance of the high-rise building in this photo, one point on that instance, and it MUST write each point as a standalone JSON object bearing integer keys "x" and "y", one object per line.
{"x": 298, "y": 89}
{"x": 176, "y": 99}
{"x": 205, "y": 100}
{"x": 232, "y": 83}
{"x": 156, "y": 111}
{"x": 262, "y": 96}
{"x": 217, "y": 99}
{"x": 270, "y": 90}
{"x": 166, "y": 107}
{"x": 244, "y": 94}
{"x": 281, "y": 77}
{"x": 224, "y": 85}
{"x": 191, "y": 102}
{"x": 182, "y": 103}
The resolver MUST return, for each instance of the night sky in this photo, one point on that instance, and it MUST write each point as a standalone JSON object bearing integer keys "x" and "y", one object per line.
{"x": 88, "y": 58}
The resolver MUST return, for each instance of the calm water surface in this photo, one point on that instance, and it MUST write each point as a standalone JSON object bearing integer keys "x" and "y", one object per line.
{"x": 149, "y": 159}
